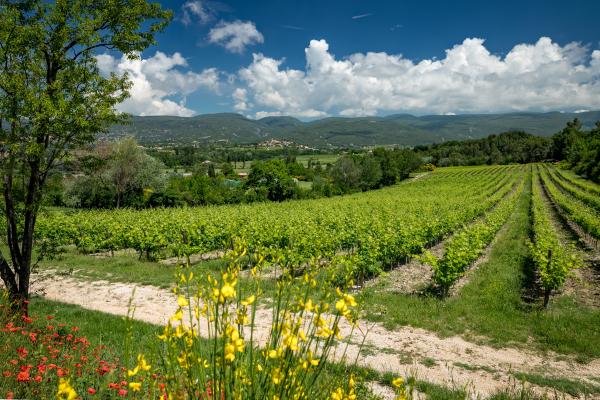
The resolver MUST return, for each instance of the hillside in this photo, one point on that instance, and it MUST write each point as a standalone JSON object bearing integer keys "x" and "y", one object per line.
{"x": 400, "y": 129}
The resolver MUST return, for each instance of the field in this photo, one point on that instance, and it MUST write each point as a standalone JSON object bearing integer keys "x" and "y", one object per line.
{"x": 470, "y": 281}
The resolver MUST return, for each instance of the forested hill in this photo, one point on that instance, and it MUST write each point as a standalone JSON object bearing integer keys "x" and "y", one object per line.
{"x": 400, "y": 129}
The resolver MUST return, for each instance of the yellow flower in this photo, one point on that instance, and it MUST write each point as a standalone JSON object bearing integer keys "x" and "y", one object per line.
{"x": 234, "y": 344}
{"x": 65, "y": 390}
{"x": 178, "y": 316}
{"x": 248, "y": 301}
{"x": 398, "y": 382}
{"x": 142, "y": 364}
{"x": 291, "y": 342}
{"x": 133, "y": 372}
{"x": 308, "y": 306}
{"x": 227, "y": 290}
{"x": 135, "y": 386}
{"x": 276, "y": 376}
{"x": 182, "y": 301}
{"x": 166, "y": 333}
{"x": 229, "y": 352}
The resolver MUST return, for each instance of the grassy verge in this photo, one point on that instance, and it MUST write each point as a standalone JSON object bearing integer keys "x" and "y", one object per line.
{"x": 121, "y": 268}
{"x": 100, "y": 328}
{"x": 491, "y": 304}
{"x": 572, "y": 387}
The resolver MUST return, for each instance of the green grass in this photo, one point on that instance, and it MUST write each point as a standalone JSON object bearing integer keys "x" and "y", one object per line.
{"x": 470, "y": 367}
{"x": 121, "y": 268}
{"x": 574, "y": 388}
{"x": 491, "y": 304}
{"x": 99, "y": 328}
{"x": 428, "y": 362}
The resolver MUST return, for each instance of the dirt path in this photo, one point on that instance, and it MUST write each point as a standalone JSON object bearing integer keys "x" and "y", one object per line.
{"x": 448, "y": 361}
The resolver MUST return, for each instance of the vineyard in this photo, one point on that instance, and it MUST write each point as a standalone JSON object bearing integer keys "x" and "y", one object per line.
{"x": 361, "y": 235}
{"x": 504, "y": 253}
{"x": 370, "y": 232}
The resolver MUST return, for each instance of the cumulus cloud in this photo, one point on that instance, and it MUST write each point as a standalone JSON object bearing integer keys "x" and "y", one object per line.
{"x": 156, "y": 81}
{"x": 540, "y": 76}
{"x": 241, "y": 98}
{"x": 235, "y": 36}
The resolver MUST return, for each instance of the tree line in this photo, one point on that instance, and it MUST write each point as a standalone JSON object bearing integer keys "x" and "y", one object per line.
{"x": 576, "y": 147}
{"x": 123, "y": 174}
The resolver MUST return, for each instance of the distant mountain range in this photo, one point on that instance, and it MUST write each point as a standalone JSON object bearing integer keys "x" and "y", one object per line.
{"x": 399, "y": 129}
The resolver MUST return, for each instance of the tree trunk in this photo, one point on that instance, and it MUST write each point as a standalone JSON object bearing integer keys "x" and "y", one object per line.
{"x": 546, "y": 297}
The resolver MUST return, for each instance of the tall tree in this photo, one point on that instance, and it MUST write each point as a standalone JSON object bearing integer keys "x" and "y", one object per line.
{"x": 53, "y": 99}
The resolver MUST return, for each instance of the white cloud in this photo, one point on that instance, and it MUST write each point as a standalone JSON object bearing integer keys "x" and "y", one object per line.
{"x": 196, "y": 10}
{"x": 362, "y": 16}
{"x": 541, "y": 76}
{"x": 156, "y": 80}
{"x": 235, "y": 36}
{"x": 241, "y": 98}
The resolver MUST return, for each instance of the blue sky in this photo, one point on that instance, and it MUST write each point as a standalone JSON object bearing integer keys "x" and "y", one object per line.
{"x": 369, "y": 57}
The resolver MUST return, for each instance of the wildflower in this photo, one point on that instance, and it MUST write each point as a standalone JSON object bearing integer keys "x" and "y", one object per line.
{"x": 122, "y": 392}
{"x": 276, "y": 376}
{"x": 182, "y": 301}
{"x": 398, "y": 382}
{"x": 65, "y": 390}
{"x": 144, "y": 366}
{"x": 133, "y": 372}
{"x": 344, "y": 304}
{"x": 91, "y": 390}
{"x": 178, "y": 316}
{"x": 248, "y": 301}
{"x": 135, "y": 386}
{"x": 234, "y": 344}
{"x": 23, "y": 376}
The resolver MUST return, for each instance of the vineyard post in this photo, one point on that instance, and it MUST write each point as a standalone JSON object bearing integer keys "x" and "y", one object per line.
{"x": 548, "y": 289}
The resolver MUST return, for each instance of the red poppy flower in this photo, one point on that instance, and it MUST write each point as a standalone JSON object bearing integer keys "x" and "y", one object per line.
{"x": 92, "y": 391}
{"x": 23, "y": 376}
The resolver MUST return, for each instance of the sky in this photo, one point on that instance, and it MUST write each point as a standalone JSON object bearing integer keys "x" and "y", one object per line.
{"x": 314, "y": 59}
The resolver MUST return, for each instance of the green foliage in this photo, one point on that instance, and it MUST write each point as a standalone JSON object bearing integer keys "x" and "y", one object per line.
{"x": 552, "y": 259}
{"x": 272, "y": 176}
{"x": 372, "y": 170}
{"x": 54, "y": 99}
{"x": 467, "y": 245}
{"x": 577, "y": 211}
{"x": 366, "y": 231}
{"x": 506, "y": 148}
{"x": 116, "y": 175}
{"x": 580, "y": 148}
